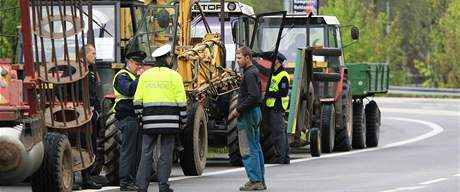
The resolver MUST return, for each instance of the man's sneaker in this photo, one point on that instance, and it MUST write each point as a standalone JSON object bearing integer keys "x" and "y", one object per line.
{"x": 253, "y": 186}
{"x": 90, "y": 184}
{"x": 129, "y": 187}
{"x": 167, "y": 190}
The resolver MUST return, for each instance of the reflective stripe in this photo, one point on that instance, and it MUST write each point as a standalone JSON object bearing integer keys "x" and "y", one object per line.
{"x": 160, "y": 117}
{"x": 161, "y": 125}
{"x": 138, "y": 111}
{"x": 160, "y": 104}
{"x": 182, "y": 104}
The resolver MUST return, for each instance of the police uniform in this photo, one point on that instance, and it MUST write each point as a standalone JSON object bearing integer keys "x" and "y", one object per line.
{"x": 124, "y": 86}
{"x": 276, "y": 104}
{"x": 160, "y": 98}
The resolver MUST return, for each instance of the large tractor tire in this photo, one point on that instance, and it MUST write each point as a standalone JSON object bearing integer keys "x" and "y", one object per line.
{"x": 55, "y": 173}
{"x": 195, "y": 142}
{"x": 112, "y": 142}
{"x": 359, "y": 125}
{"x": 268, "y": 147}
{"x": 232, "y": 135}
{"x": 372, "y": 124}
{"x": 315, "y": 142}
{"x": 327, "y": 125}
{"x": 98, "y": 164}
{"x": 343, "y": 134}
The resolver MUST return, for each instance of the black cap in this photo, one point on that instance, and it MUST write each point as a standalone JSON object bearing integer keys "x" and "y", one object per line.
{"x": 137, "y": 56}
{"x": 281, "y": 57}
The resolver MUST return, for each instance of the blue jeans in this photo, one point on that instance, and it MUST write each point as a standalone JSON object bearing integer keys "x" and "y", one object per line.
{"x": 248, "y": 124}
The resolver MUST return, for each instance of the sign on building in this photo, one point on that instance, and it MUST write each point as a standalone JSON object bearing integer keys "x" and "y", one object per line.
{"x": 305, "y": 6}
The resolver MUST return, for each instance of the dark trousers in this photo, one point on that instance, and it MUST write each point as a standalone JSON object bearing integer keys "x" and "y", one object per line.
{"x": 274, "y": 121}
{"x": 164, "y": 163}
{"x": 129, "y": 150}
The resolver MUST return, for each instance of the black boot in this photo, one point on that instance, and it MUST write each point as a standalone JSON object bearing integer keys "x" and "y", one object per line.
{"x": 90, "y": 184}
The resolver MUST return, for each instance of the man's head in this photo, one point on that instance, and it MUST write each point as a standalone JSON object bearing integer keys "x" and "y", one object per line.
{"x": 89, "y": 52}
{"x": 244, "y": 57}
{"x": 162, "y": 56}
{"x": 280, "y": 58}
{"x": 135, "y": 60}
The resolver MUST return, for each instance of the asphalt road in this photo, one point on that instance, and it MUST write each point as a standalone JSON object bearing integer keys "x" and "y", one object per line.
{"x": 419, "y": 151}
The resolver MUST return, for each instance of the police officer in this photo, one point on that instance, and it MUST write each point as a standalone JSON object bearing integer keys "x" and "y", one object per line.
{"x": 276, "y": 104}
{"x": 124, "y": 86}
{"x": 161, "y": 99}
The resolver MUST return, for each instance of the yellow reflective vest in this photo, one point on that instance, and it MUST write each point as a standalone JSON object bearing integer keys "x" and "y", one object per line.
{"x": 160, "y": 97}
{"x": 118, "y": 95}
{"x": 276, "y": 79}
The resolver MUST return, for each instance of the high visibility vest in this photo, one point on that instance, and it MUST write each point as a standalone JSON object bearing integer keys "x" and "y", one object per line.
{"x": 118, "y": 95}
{"x": 276, "y": 79}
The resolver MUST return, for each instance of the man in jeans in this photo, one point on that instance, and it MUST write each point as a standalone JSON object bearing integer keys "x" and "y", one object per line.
{"x": 248, "y": 122}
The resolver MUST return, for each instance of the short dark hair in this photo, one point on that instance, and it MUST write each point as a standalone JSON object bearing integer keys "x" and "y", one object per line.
{"x": 84, "y": 49}
{"x": 245, "y": 51}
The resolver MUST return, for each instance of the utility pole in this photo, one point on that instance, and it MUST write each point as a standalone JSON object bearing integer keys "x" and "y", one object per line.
{"x": 288, "y": 5}
{"x": 388, "y": 25}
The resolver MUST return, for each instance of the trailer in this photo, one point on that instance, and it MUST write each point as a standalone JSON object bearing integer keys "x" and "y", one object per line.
{"x": 367, "y": 80}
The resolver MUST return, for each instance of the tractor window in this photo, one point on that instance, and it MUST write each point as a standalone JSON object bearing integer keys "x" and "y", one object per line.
{"x": 155, "y": 29}
{"x": 332, "y": 36}
{"x": 104, "y": 33}
{"x": 294, "y": 37}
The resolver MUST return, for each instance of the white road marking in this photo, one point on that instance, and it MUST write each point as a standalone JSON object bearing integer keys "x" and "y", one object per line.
{"x": 458, "y": 175}
{"x": 421, "y": 112}
{"x": 435, "y": 129}
{"x": 432, "y": 181}
{"x": 412, "y": 188}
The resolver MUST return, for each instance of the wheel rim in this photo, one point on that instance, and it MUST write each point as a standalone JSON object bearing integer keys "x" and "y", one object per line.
{"x": 202, "y": 132}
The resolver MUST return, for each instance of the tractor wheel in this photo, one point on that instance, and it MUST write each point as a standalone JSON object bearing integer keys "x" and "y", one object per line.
{"x": 343, "y": 134}
{"x": 268, "y": 147}
{"x": 232, "y": 135}
{"x": 372, "y": 124}
{"x": 359, "y": 125}
{"x": 156, "y": 156}
{"x": 98, "y": 164}
{"x": 315, "y": 142}
{"x": 112, "y": 142}
{"x": 55, "y": 173}
{"x": 327, "y": 125}
{"x": 195, "y": 142}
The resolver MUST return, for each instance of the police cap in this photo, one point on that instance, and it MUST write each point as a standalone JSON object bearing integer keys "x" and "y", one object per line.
{"x": 163, "y": 50}
{"x": 281, "y": 57}
{"x": 137, "y": 56}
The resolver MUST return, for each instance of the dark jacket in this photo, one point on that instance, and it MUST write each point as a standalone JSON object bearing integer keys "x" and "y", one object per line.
{"x": 126, "y": 86}
{"x": 250, "y": 91}
{"x": 283, "y": 90}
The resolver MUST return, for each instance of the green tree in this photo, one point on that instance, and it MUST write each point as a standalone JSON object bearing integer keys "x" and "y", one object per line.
{"x": 9, "y": 12}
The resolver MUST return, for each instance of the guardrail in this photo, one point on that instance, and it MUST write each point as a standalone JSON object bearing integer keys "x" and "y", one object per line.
{"x": 420, "y": 91}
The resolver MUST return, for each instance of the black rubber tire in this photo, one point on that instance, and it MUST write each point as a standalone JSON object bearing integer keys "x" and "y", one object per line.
{"x": 55, "y": 173}
{"x": 232, "y": 135}
{"x": 315, "y": 142}
{"x": 327, "y": 125}
{"x": 372, "y": 124}
{"x": 112, "y": 142}
{"x": 344, "y": 132}
{"x": 98, "y": 164}
{"x": 195, "y": 142}
{"x": 359, "y": 125}
{"x": 268, "y": 147}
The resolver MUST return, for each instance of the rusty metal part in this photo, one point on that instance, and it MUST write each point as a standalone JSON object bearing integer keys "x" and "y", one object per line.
{"x": 67, "y": 118}
{"x": 11, "y": 156}
{"x": 51, "y": 73}
{"x": 76, "y": 28}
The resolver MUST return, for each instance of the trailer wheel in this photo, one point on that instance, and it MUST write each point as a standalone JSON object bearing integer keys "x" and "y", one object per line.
{"x": 232, "y": 135}
{"x": 327, "y": 125}
{"x": 359, "y": 125}
{"x": 112, "y": 142}
{"x": 195, "y": 142}
{"x": 55, "y": 173}
{"x": 315, "y": 142}
{"x": 343, "y": 136}
{"x": 372, "y": 124}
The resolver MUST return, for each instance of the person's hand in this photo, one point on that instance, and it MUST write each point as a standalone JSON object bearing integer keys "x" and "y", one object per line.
{"x": 140, "y": 71}
{"x": 183, "y": 126}
{"x": 234, "y": 113}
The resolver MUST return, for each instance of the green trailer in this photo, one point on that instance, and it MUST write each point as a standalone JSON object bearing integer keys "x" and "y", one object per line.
{"x": 368, "y": 79}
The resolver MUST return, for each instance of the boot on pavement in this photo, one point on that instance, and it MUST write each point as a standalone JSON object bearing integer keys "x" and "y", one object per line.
{"x": 253, "y": 186}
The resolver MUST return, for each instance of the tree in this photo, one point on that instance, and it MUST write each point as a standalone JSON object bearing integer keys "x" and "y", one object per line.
{"x": 9, "y": 11}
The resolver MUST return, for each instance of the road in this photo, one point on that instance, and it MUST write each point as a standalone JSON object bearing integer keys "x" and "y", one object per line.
{"x": 418, "y": 151}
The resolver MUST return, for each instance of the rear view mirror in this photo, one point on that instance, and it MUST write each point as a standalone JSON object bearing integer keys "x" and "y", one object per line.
{"x": 354, "y": 33}
{"x": 234, "y": 31}
{"x": 163, "y": 18}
